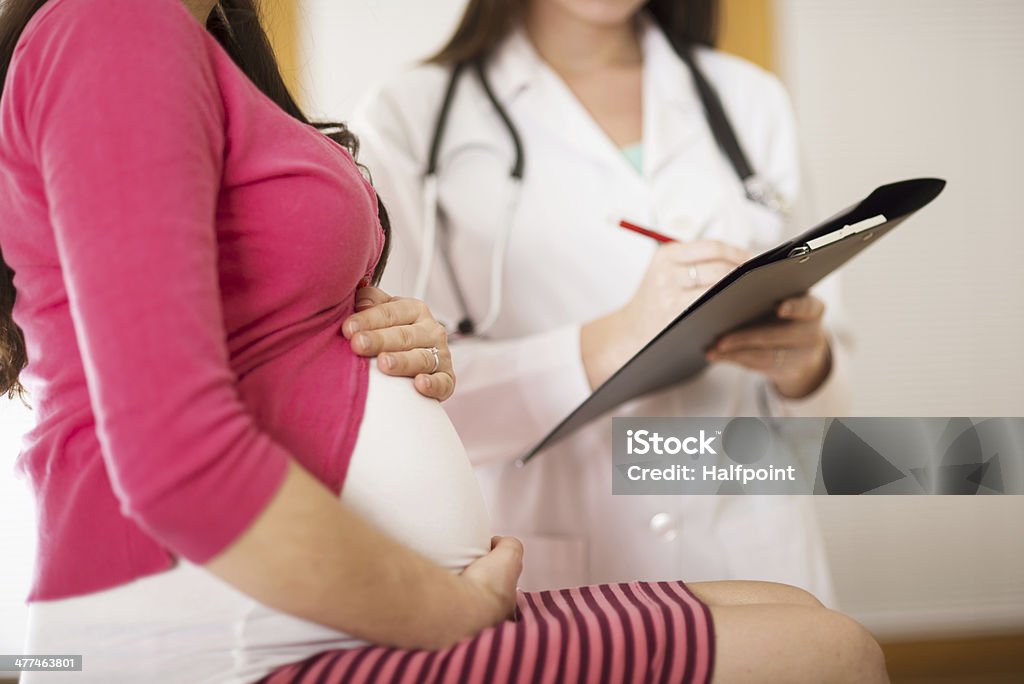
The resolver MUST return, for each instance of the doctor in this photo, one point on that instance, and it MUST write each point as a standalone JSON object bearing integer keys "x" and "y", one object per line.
{"x": 507, "y": 162}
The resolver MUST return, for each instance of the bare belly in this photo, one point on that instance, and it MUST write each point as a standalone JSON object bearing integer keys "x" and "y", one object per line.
{"x": 409, "y": 476}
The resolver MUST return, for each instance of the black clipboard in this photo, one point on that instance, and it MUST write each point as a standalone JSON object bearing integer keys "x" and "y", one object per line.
{"x": 747, "y": 294}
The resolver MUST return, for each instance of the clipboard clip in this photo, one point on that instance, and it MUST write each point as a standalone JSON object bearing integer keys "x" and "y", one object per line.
{"x": 805, "y": 249}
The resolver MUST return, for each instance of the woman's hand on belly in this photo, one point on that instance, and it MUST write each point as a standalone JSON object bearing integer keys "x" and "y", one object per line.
{"x": 496, "y": 575}
{"x": 406, "y": 339}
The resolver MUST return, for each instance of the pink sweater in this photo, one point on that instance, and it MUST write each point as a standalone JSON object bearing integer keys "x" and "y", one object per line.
{"x": 184, "y": 255}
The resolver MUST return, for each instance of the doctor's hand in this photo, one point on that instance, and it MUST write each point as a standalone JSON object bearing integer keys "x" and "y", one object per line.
{"x": 405, "y": 338}
{"x": 678, "y": 274}
{"x": 791, "y": 349}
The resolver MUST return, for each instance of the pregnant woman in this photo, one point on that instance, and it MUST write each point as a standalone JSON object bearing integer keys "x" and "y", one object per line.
{"x": 227, "y": 490}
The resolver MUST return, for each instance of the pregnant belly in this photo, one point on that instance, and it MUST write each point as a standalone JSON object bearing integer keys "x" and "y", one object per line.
{"x": 410, "y": 477}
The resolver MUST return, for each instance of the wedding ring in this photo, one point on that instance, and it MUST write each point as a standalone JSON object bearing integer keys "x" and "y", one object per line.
{"x": 780, "y": 358}
{"x": 437, "y": 358}
{"x": 694, "y": 277}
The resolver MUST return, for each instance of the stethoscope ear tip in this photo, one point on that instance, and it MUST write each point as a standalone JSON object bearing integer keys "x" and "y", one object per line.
{"x": 466, "y": 327}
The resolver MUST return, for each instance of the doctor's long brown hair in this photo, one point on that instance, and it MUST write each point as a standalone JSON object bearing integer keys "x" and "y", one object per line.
{"x": 236, "y": 26}
{"x": 486, "y": 22}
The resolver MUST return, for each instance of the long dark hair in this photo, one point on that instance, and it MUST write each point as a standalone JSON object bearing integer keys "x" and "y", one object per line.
{"x": 486, "y": 22}
{"x": 236, "y": 26}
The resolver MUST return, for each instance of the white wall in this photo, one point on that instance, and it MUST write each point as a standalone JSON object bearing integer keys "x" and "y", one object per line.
{"x": 891, "y": 89}
{"x": 349, "y": 46}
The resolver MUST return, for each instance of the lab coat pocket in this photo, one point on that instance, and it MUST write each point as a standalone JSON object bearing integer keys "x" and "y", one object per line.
{"x": 553, "y": 561}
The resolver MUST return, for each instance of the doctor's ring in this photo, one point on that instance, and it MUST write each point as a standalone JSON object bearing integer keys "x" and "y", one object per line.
{"x": 437, "y": 358}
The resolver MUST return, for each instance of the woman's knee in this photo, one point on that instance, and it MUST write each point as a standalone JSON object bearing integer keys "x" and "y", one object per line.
{"x": 798, "y": 643}
{"x": 744, "y": 592}
{"x": 859, "y": 654}
{"x": 787, "y": 593}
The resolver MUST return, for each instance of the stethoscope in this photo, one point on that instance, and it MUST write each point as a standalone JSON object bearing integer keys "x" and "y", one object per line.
{"x": 757, "y": 189}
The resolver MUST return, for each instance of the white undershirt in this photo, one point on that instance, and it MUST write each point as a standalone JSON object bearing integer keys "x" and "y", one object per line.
{"x": 409, "y": 475}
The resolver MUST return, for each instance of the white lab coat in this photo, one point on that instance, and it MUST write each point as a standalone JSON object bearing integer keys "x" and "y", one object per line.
{"x": 568, "y": 263}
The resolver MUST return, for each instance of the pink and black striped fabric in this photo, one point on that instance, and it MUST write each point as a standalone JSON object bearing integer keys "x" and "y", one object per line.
{"x": 635, "y": 632}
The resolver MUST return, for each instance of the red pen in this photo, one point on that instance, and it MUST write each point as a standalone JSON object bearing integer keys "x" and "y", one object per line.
{"x": 647, "y": 232}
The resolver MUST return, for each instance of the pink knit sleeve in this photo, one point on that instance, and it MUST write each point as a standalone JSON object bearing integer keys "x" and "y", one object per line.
{"x": 125, "y": 120}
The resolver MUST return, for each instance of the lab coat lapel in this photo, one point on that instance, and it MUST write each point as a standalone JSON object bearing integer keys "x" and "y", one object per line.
{"x": 513, "y": 67}
{"x": 672, "y": 113}
{"x": 521, "y": 75}
{"x": 682, "y": 163}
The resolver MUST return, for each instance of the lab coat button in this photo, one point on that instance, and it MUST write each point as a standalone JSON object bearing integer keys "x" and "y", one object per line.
{"x": 664, "y": 526}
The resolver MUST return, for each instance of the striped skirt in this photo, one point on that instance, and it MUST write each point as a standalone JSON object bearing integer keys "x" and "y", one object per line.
{"x": 634, "y": 632}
